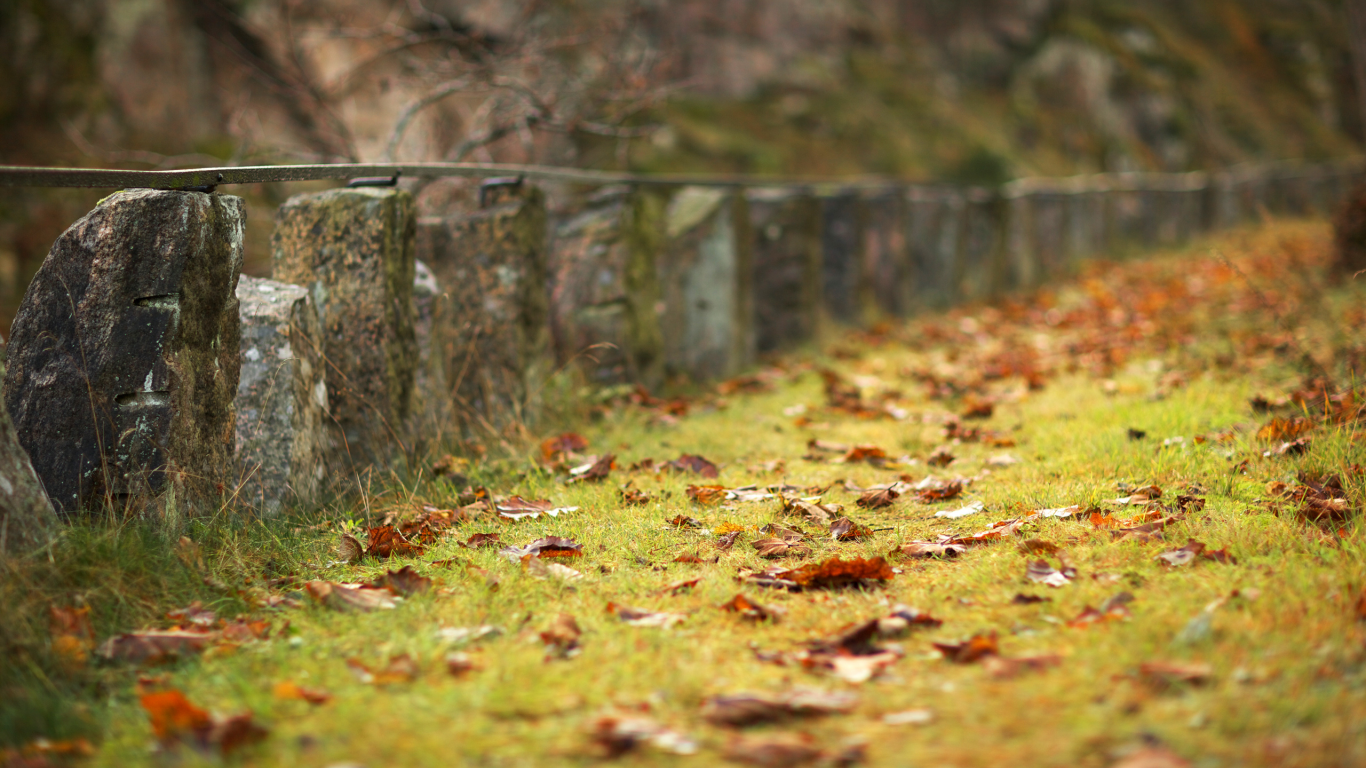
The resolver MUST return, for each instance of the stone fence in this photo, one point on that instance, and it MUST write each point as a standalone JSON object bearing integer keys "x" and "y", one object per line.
{"x": 144, "y": 374}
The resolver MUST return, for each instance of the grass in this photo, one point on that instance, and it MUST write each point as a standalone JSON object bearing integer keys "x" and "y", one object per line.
{"x": 1174, "y": 346}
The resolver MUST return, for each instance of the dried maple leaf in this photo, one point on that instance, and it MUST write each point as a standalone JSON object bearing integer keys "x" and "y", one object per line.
{"x": 930, "y": 549}
{"x": 845, "y": 529}
{"x": 404, "y": 581}
{"x": 1040, "y": 572}
{"x": 385, "y": 541}
{"x": 692, "y": 463}
{"x": 726, "y": 541}
{"x": 155, "y": 645}
{"x": 619, "y": 733}
{"x": 291, "y": 690}
{"x": 835, "y": 573}
{"x": 780, "y": 547}
{"x": 974, "y": 649}
{"x": 595, "y": 472}
{"x": 479, "y": 540}
{"x": 742, "y": 709}
{"x": 1164, "y": 674}
{"x": 748, "y": 609}
{"x": 344, "y": 597}
{"x": 561, "y": 638}
{"x": 877, "y": 499}
{"x": 942, "y": 492}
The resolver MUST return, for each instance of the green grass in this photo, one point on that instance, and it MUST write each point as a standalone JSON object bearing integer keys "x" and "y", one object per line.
{"x": 1288, "y": 684}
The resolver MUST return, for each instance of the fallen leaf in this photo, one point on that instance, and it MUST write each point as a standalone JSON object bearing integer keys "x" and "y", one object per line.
{"x": 1152, "y": 757}
{"x": 852, "y": 668}
{"x": 827, "y": 446}
{"x": 479, "y": 540}
{"x": 1284, "y": 428}
{"x": 866, "y": 453}
{"x": 155, "y": 646}
{"x": 561, "y": 638}
{"x": 748, "y": 609}
{"x": 459, "y": 663}
{"x": 618, "y": 734}
{"x": 678, "y": 587}
{"x": 1038, "y": 547}
{"x": 385, "y": 541}
{"x": 292, "y": 690}
{"x": 773, "y": 750}
{"x": 344, "y": 597}
{"x": 688, "y": 557}
{"x": 835, "y": 573}
{"x": 637, "y": 617}
{"x": 845, "y": 529}
{"x": 633, "y": 497}
{"x": 1059, "y": 511}
{"x": 1001, "y": 667}
{"x": 349, "y": 549}
{"x": 977, "y": 408}
{"x": 695, "y": 464}
{"x": 819, "y": 514}
{"x": 1114, "y": 609}
{"x": 405, "y": 581}
{"x": 940, "y": 457}
{"x": 468, "y": 634}
{"x": 398, "y": 669}
{"x": 878, "y": 499}
{"x": 726, "y": 541}
{"x": 540, "y": 569}
{"x": 594, "y": 472}
{"x": 449, "y": 466}
{"x": 909, "y": 717}
{"x": 556, "y": 448}
{"x": 742, "y": 709}
{"x": 930, "y": 549}
{"x": 174, "y": 720}
{"x": 974, "y": 649}
{"x": 72, "y": 634}
{"x": 683, "y": 521}
{"x": 940, "y": 491}
{"x": 548, "y": 546}
{"x": 1195, "y": 550}
{"x": 1023, "y": 599}
{"x": 781, "y": 546}
{"x": 953, "y": 514}
{"x": 1040, "y": 572}
{"x": 1164, "y": 674}
{"x": 904, "y": 618}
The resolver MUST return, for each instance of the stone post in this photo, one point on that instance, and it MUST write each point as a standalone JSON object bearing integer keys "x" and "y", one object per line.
{"x": 26, "y": 515}
{"x": 785, "y": 226}
{"x": 123, "y": 363}
{"x": 842, "y": 256}
{"x": 934, "y": 226}
{"x": 353, "y": 250}
{"x": 887, "y": 274}
{"x": 1020, "y": 258}
{"x": 431, "y": 419}
{"x": 491, "y": 333}
{"x": 702, "y": 278}
{"x": 281, "y": 397}
{"x": 604, "y": 289}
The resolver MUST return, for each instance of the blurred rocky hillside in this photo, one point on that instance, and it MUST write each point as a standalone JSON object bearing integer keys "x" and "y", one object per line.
{"x": 973, "y": 91}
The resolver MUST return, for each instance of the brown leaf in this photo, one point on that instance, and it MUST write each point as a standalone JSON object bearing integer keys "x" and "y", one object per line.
{"x": 741, "y": 709}
{"x": 695, "y": 464}
{"x": 977, "y": 408}
{"x": 1114, "y": 609}
{"x": 868, "y": 453}
{"x": 619, "y": 733}
{"x": 292, "y": 690}
{"x": 404, "y": 581}
{"x": 942, "y": 492}
{"x": 72, "y": 635}
{"x": 1164, "y": 674}
{"x": 633, "y": 497}
{"x": 449, "y": 466}
{"x": 726, "y": 541}
{"x": 679, "y": 587}
{"x": 349, "y": 549}
{"x": 940, "y": 457}
{"x": 597, "y": 471}
{"x": 174, "y": 720}
{"x": 1038, "y": 547}
{"x": 683, "y": 521}
{"x": 1004, "y": 668}
{"x": 903, "y": 618}
{"x": 845, "y": 529}
{"x": 778, "y": 750}
{"x": 1195, "y": 550}
{"x": 781, "y": 547}
{"x": 827, "y": 446}
{"x": 385, "y": 541}
{"x": 555, "y": 448}
{"x": 479, "y": 540}
{"x": 399, "y": 669}
{"x": 688, "y": 557}
{"x": 637, "y": 617}
{"x": 1284, "y": 428}
{"x": 1152, "y": 757}
{"x": 835, "y": 573}
{"x": 876, "y": 499}
{"x": 1023, "y": 599}
{"x": 342, "y": 597}
{"x": 155, "y": 646}
{"x": 974, "y": 649}
{"x": 1040, "y": 572}
{"x": 459, "y": 663}
{"x": 930, "y": 549}
{"x": 748, "y": 609}
{"x": 548, "y": 546}
{"x": 819, "y": 514}
{"x": 517, "y": 508}
{"x": 561, "y": 638}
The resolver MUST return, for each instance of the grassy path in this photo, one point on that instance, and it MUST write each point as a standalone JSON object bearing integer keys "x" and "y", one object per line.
{"x": 1081, "y": 645}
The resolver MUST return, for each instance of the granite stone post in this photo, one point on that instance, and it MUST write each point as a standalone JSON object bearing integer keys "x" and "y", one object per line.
{"x": 785, "y": 226}
{"x": 934, "y": 229}
{"x": 703, "y": 277}
{"x": 281, "y": 396}
{"x": 887, "y": 275}
{"x": 979, "y": 270}
{"x": 1049, "y": 233}
{"x": 1019, "y": 255}
{"x": 842, "y": 256}
{"x": 431, "y": 417}
{"x": 123, "y": 362}
{"x": 27, "y": 519}
{"x": 604, "y": 292}
{"x": 491, "y": 332}
{"x": 353, "y": 250}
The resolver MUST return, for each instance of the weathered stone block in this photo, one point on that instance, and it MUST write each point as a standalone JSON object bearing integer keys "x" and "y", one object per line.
{"x": 281, "y": 397}
{"x": 604, "y": 289}
{"x": 353, "y": 250}
{"x": 491, "y": 334}
{"x": 704, "y": 281}
{"x": 979, "y": 269}
{"x": 934, "y": 224}
{"x": 842, "y": 276}
{"x": 431, "y": 418}
{"x": 785, "y": 228}
{"x": 123, "y": 363}
{"x": 26, "y": 515}
{"x": 888, "y": 276}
